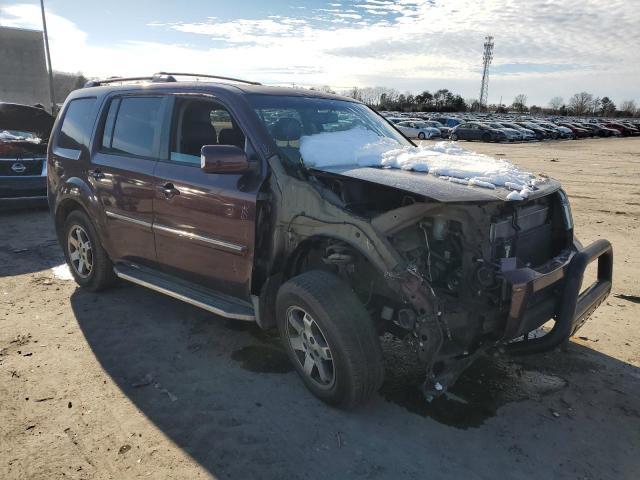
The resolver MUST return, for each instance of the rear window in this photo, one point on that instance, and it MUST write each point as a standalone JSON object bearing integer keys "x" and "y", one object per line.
{"x": 77, "y": 124}
{"x": 133, "y": 126}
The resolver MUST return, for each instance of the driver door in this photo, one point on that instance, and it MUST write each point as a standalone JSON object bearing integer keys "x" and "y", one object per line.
{"x": 204, "y": 223}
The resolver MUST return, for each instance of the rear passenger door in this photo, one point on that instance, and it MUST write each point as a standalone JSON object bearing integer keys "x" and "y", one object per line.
{"x": 121, "y": 173}
{"x": 205, "y": 222}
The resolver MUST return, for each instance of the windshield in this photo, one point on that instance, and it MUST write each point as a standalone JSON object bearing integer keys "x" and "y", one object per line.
{"x": 18, "y": 135}
{"x": 318, "y": 131}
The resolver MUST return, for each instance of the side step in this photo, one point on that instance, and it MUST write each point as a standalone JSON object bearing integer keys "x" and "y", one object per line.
{"x": 214, "y": 302}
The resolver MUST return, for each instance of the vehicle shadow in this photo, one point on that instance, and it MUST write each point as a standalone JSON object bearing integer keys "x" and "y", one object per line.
{"x": 27, "y": 242}
{"x": 225, "y": 393}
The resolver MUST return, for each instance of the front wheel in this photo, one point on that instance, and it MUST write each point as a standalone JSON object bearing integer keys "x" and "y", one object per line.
{"x": 422, "y": 136}
{"x": 486, "y": 137}
{"x": 330, "y": 338}
{"x": 454, "y": 137}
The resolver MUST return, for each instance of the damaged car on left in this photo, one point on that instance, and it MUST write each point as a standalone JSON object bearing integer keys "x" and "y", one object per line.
{"x": 24, "y": 135}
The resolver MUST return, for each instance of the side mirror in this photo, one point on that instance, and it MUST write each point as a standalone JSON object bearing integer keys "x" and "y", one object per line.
{"x": 223, "y": 159}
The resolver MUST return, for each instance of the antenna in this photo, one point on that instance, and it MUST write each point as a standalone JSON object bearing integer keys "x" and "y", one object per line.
{"x": 486, "y": 59}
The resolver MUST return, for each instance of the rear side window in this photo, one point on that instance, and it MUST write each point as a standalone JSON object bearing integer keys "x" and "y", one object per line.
{"x": 133, "y": 126}
{"x": 77, "y": 124}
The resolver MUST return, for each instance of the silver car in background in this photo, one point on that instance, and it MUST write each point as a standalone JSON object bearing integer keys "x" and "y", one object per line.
{"x": 418, "y": 129}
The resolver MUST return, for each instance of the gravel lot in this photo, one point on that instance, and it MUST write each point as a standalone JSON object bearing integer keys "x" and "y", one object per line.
{"x": 132, "y": 384}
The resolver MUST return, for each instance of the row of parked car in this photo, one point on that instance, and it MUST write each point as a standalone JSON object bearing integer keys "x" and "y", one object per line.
{"x": 507, "y": 129}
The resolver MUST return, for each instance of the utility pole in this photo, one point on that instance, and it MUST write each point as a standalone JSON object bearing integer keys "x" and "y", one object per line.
{"x": 486, "y": 60}
{"x": 46, "y": 47}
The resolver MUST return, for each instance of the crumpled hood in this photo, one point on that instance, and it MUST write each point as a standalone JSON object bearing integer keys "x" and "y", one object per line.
{"x": 432, "y": 186}
{"x": 14, "y": 116}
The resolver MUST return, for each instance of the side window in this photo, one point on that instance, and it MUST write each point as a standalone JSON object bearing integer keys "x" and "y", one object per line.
{"x": 107, "y": 136}
{"x": 201, "y": 122}
{"x": 77, "y": 124}
{"x": 133, "y": 126}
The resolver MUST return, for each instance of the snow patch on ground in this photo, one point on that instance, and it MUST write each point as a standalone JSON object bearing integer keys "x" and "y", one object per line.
{"x": 447, "y": 160}
{"x": 62, "y": 272}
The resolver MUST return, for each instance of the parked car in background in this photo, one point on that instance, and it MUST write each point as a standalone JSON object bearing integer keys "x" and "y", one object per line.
{"x": 417, "y": 129}
{"x": 530, "y": 127}
{"x": 395, "y": 120}
{"x": 599, "y": 130}
{"x": 625, "y": 130}
{"x": 563, "y": 131}
{"x": 444, "y": 131}
{"x": 512, "y": 134}
{"x": 448, "y": 121}
{"x": 477, "y": 131}
{"x": 578, "y": 132}
{"x": 541, "y": 133}
{"x": 526, "y": 132}
{"x": 24, "y": 133}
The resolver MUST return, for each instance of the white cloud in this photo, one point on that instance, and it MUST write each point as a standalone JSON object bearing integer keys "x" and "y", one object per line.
{"x": 406, "y": 44}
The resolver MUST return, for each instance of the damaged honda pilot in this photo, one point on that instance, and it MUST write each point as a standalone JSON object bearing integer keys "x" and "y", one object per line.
{"x": 309, "y": 212}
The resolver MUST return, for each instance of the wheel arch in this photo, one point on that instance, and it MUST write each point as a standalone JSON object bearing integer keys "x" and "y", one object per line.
{"x": 293, "y": 265}
{"x": 304, "y": 258}
{"x": 75, "y": 194}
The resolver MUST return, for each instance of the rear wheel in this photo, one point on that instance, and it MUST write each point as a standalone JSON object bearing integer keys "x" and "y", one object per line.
{"x": 330, "y": 338}
{"x": 422, "y": 136}
{"x": 88, "y": 261}
{"x": 486, "y": 137}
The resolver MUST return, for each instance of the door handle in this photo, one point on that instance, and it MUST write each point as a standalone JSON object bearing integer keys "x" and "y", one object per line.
{"x": 169, "y": 190}
{"x": 97, "y": 174}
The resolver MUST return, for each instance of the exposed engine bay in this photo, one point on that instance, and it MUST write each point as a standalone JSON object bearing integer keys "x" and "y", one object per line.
{"x": 458, "y": 253}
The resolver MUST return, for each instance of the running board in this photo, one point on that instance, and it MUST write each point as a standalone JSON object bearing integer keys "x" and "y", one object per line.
{"x": 216, "y": 303}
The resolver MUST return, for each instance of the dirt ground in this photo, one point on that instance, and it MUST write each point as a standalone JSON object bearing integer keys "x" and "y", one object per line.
{"x": 131, "y": 384}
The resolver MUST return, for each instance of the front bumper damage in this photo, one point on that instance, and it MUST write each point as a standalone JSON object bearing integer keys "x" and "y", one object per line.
{"x": 570, "y": 310}
{"x": 552, "y": 291}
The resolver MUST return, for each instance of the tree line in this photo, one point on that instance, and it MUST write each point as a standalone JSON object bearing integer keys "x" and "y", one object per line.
{"x": 582, "y": 104}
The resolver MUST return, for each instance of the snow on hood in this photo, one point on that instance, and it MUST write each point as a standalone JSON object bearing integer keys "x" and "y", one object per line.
{"x": 446, "y": 160}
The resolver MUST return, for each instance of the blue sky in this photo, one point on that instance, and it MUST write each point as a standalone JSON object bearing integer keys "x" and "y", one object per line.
{"x": 543, "y": 48}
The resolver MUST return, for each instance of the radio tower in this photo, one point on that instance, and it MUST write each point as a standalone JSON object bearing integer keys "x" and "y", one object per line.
{"x": 486, "y": 59}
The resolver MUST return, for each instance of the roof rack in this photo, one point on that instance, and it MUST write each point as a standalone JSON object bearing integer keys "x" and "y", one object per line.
{"x": 204, "y": 75}
{"x": 161, "y": 77}
{"x": 155, "y": 78}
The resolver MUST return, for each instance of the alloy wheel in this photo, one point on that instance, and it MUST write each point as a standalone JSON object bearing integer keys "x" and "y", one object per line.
{"x": 80, "y": 251}
{"x": 310, "y": 347}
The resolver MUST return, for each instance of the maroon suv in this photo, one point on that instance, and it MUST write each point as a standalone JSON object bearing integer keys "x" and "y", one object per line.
{"x": 201, "y": 191}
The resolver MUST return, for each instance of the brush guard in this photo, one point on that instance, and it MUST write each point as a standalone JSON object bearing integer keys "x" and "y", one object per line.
{"x": 572, "y": 309}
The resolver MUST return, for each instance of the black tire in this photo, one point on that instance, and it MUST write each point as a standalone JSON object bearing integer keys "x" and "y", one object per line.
{"x": 356, "y": 356}
{"x": 421, "y": 136}
{"x": 454, "y": 137}
{"x": 101, "y": 274}
{"x": 486, "y": 137}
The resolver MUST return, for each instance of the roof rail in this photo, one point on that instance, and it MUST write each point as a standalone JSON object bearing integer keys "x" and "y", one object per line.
{"x": 157, "y": 77}
{"x": 162, "y": 77}
{"x": 204, "y": 75}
